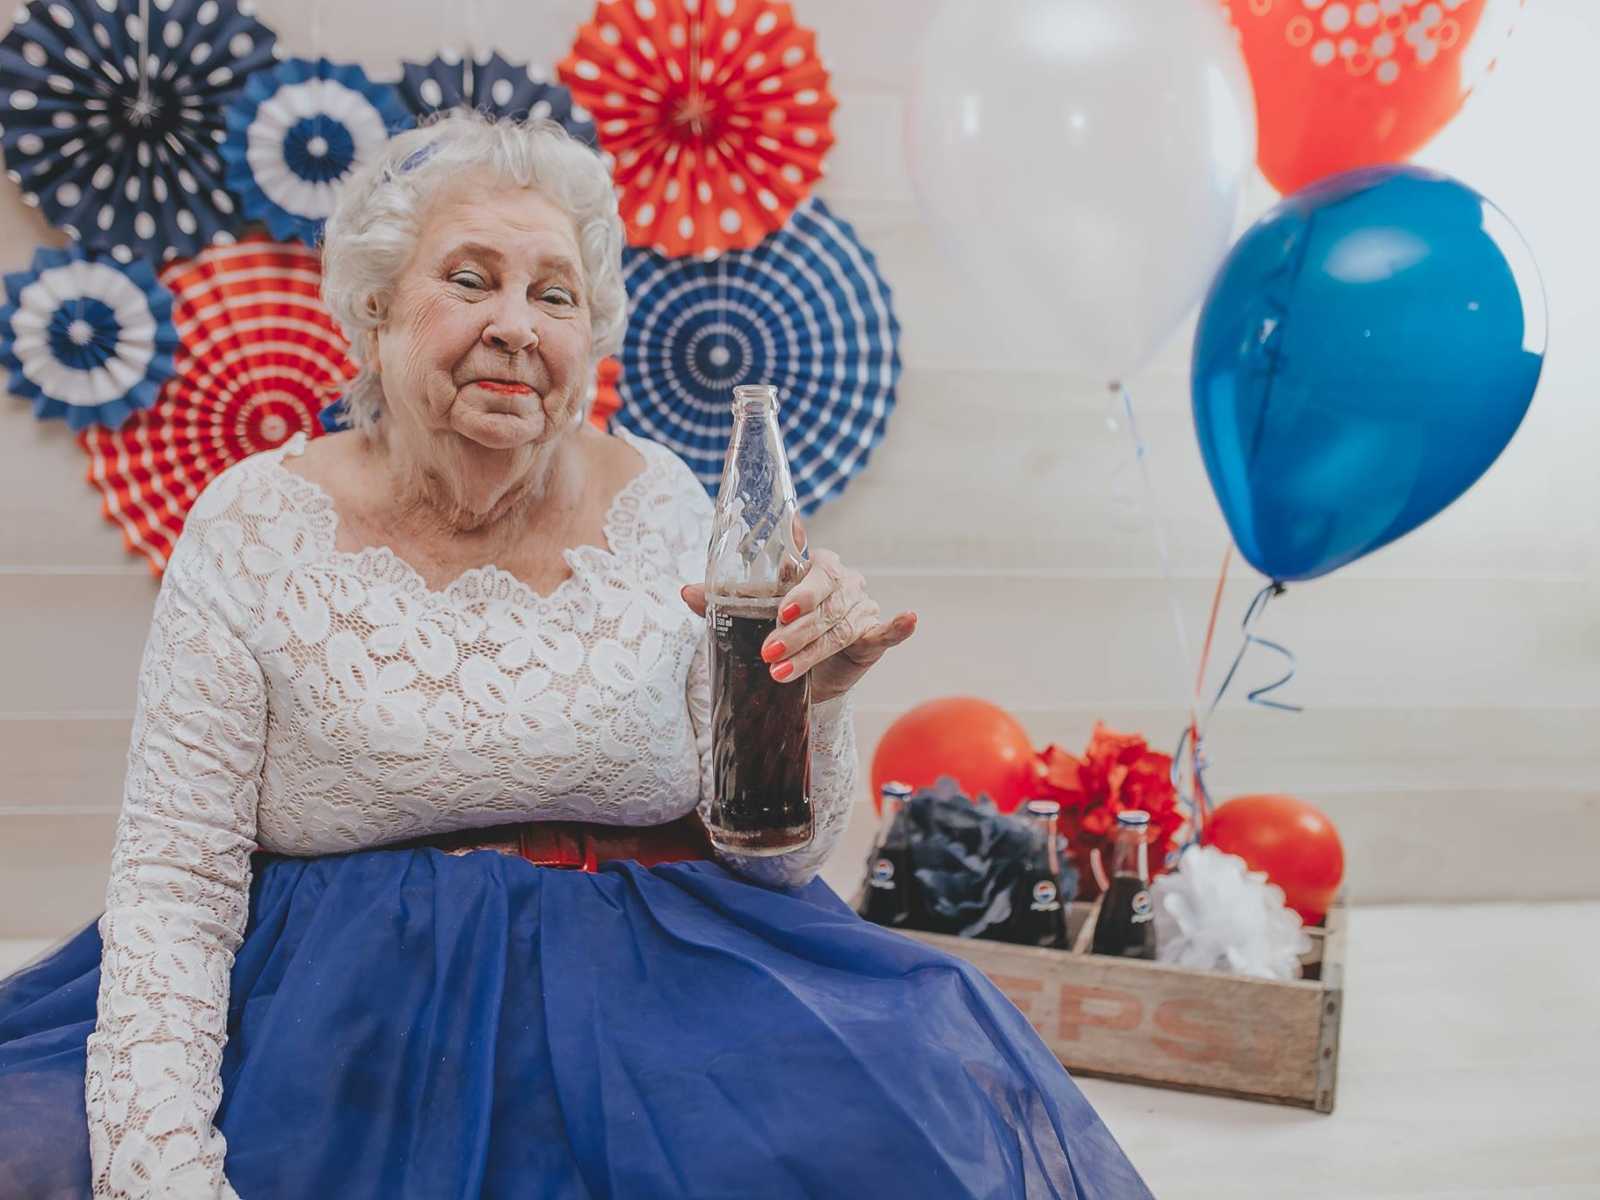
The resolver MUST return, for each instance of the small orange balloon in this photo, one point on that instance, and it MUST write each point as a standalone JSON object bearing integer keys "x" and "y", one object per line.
{"x": 1291, "y": 841}
{"x": 983, "y": 747}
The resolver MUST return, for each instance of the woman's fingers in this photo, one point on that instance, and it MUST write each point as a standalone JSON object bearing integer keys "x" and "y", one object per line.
{"x": 815, "y": 616}
{"x": 826, "y": 577}
{"x": 872, "y": 645}
{"x": 836, "y": 637}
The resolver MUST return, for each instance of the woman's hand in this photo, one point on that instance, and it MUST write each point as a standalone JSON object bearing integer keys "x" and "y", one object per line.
{"x": 827, "y": 626}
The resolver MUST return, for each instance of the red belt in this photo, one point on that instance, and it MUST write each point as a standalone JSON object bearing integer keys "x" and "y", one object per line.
{"x": 577, "y": 845}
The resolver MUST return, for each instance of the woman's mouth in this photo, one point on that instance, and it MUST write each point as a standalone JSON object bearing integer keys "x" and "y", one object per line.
{"x": 504, "y": 388}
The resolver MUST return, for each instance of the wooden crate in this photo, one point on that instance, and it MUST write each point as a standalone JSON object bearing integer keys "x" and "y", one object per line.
{"x": 1201, "y": 1031}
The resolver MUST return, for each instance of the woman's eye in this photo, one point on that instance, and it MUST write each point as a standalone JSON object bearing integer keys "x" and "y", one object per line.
{"x": 467, "y": 279}
{"x": 559, "y": 296}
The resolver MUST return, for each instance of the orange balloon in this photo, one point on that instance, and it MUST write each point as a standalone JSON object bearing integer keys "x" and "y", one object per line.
{"x": 1291, "y": 841}
{"x": 1346, "y": 85}
{"x": 981, "y": 745}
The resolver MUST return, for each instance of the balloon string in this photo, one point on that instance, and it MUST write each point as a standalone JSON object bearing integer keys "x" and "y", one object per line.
{"x": 1211, "y": 622}
{"x": 1141, "y": 454}
{"x": 1158, "y": 528}
{"x": 1200, "y": 801}
{"x": 1252, "y": 615}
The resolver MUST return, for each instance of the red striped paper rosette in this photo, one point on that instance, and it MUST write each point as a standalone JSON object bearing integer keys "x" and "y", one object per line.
{"x": 258, "y": 357}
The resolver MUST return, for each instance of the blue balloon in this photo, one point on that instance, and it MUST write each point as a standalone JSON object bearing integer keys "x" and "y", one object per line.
{"x": 1365, "y": 352}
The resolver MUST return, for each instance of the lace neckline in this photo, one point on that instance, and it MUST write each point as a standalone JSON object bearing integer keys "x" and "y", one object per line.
{"x": 486, "y": 582}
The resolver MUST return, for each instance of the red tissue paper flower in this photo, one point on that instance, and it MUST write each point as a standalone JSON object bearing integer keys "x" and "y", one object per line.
{"x": 1117, "y": 772}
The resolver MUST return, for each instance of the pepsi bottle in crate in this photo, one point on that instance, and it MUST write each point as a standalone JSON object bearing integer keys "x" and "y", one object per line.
{"x": 890, "y": 882}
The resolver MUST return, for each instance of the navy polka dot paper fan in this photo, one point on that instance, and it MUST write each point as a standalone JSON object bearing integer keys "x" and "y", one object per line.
{"x": 85, "y": 338}
{"x": 805, "y": 310}
{"x": 492, "y": 86}
{"x": 135, "y": 173}
{"x": 299, "y": 131}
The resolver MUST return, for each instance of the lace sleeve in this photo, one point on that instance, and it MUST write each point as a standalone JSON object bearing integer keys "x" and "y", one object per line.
{"x": 833, "y": 781}
{"x": 178, "y": 897}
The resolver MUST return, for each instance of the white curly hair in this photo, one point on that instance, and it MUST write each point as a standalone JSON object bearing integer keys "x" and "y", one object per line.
{"x": 373, "y": 230}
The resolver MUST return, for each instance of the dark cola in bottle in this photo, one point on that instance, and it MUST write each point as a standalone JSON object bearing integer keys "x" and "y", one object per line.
{"x": 760, "y": 727}
{"x": 1125, "y": 927}
{"x": 1037, "y": 915}
{"x": 888, "y": 899}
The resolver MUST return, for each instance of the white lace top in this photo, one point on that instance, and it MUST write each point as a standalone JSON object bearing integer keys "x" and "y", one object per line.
{"x": 309, "y": 700}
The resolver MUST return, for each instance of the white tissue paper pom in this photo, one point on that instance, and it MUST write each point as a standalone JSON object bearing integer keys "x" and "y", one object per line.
{"x": 1215, "y": 914}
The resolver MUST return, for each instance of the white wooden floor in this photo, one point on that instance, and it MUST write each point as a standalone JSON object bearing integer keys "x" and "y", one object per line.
{"x": 1469, "y": 1069}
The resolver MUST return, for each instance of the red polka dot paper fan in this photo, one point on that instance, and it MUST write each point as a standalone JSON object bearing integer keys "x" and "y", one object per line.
{"x": 607, "y": 398}
{"x": 716, "y": 111}
{"x": 258, "y": 357}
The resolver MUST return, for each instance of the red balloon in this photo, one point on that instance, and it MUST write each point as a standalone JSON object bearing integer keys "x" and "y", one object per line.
{"x": 1345, "y": 85}
{"x": 982, "y": 746}
{"x": 1292, "y": 842}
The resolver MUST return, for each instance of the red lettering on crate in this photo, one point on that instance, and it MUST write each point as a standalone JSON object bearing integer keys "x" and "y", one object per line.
{"x": 1102, "y": 1008}
{"x": 1205, "y": 1039}
{"x": 1019, "y": 989}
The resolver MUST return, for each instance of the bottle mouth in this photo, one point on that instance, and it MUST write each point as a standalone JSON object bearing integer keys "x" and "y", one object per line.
{"x": 1133, "y": 819}
{"x": 754, "y": 395}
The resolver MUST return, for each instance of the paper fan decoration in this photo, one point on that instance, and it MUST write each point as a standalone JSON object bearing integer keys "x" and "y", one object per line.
{"x": 297, "y": 132}
{"x": 86, "y": 338}
{"x": 493, "y": 86}
{"x": 119, "y": 168}
{"x": 258, "y": 356}
{"x": 806, "y": 311}
{"x": 716, "y": 113}
{"x": 606, "y": 401}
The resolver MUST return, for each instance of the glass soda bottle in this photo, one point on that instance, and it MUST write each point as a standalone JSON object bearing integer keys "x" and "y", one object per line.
{"x": 890, "y": 876}
{"x": 1037, "y": 916}
{"x": 760, "y": 728}
{"x": 1125, "y": 927}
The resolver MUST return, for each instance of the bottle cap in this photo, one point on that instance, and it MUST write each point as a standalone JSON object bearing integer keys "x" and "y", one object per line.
{"x": 896, "y": 789}
{"x": 1132, "y": 818}
{"x": 1043, "y": 808}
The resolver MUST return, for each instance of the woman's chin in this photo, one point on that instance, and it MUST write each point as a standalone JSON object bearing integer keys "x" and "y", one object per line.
{"x": 500, "y": 430}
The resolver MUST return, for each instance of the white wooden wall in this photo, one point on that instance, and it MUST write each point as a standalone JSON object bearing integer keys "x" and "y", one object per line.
{"x": 1451, "y": 680}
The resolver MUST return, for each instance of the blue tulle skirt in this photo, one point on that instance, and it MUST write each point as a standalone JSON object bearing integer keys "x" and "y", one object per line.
{"x": 409, "y": 1023}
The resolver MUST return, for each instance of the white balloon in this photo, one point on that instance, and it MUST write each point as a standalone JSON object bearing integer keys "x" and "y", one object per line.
{"x": 1083, "y": 161}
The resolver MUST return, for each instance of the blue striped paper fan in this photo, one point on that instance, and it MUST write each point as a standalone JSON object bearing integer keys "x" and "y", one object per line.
{"x": 134, "y": 173}
{"x": 806, "y": 310}
{"x": 86, "y": 338}
{"x": 493, "y": 86}
{"x": 297, "y": 132}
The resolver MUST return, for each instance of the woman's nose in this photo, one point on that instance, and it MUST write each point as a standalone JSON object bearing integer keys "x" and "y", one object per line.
{"x": 511, "y": 328}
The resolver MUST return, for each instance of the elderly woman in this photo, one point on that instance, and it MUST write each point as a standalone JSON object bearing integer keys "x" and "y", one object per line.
{"x": 397, "y": 679}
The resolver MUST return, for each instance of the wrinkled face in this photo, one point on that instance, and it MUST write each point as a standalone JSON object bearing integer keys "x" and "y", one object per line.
{"x": 488, "y": 333}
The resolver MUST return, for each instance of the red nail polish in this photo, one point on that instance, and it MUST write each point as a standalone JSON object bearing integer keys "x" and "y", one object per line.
{"x": 789, "y": 613}
{"x": 782, "y": 671}
{"x": 773, "y": 652}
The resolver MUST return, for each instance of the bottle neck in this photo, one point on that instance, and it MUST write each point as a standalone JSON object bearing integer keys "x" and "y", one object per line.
{"x": 891, "y": 813}
{"x": 757, "y": 454}
{"x": 755, "y": 548}
{"x": 1130, "y": 854}
{"x": 1046, "y": 827}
